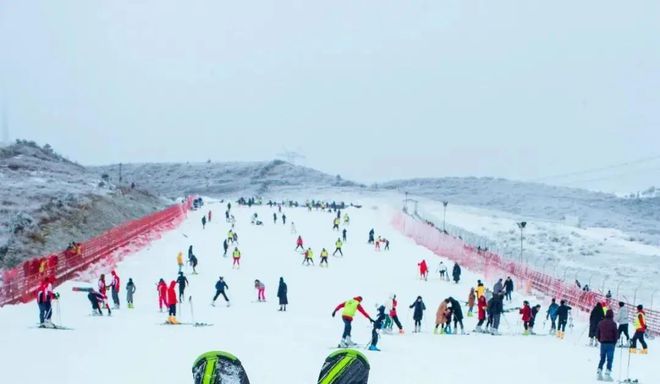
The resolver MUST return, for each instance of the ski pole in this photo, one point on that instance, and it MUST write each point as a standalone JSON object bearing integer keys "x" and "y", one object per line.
{"x": 59, "y": 313}
{"x": 192, "y": 311}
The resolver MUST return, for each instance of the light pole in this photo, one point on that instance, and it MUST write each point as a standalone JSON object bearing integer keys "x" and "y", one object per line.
{"x": 522, "y": 226}
{"x": 444, "y": 215}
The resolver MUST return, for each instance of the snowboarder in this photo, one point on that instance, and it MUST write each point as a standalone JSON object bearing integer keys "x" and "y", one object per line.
{"x": 182, "y": 281}
{"x": 378, "y": 325}
{"x": 161, "y": 288}
{"x": 371, "y": 236}
{"x": 299, "y": 244}
{"x": 526, "y": 313}
{"x": 606, "y": 333}
{"x": 418, "y": 313}
{"x": 45, "y": 295}
{"x": 594, "y": 318}
{"x": 423, "y": 270}
{"x": 508, "y": 288}
{"x": 481, "y": 312}
{"x": 220, "y": 287}
{"x": 622, "y": 320}
{"x": 393, "y": 314}
{"x": 350, "y": 307}
{"x": 562, "y": 318}
{"x": 114, "y": 289}
{"x": 470, "y": 303}
{"x": 261, "y": 291}
{"x": 640, "y": 330}
{"x": 171, "y": 303}
{"x": 324, "y": 258}
{"x": 236, "y": 255}
{"x": 456, "y": 273}
{"x": 338, "y": 245}
{"x": 179, "y": 260}
{"x": 457, "y": 312}
{"x": 309, "y": 257}
{"x": 282, "y": 294}
{"x": 552, "y": 315}
{"x": 225, "y": 247}
{"x": 130, "y": 292}
{"x": 441, "y": 318}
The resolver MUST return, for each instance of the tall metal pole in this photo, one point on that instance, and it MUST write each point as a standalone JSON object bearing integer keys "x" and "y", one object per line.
{"x": 444, "y": 215}
{"x": 521, "y": 225}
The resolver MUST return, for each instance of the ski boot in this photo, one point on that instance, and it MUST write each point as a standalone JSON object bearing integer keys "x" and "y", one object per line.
{"x": 633, "y": 350}
{"x": 526, "y": 333}
{"x": 374, "y": 348}
{"x": 599, "y": 375}
{"x": 644, "y": 351}
{"x": 607, "y": 376}
{"x": 401, "y": 332}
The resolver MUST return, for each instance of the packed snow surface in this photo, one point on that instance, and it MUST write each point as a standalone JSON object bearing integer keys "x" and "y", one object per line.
{"x": 287, "y": 347}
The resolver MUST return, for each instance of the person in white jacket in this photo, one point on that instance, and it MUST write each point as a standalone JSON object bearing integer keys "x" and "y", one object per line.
{"x": 622, "y": 320}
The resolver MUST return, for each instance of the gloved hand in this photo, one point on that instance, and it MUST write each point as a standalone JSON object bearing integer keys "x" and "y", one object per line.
{"x": 56, "y": 295}
{"x": 372, "y": 320}
{"x": 333, "y": 314}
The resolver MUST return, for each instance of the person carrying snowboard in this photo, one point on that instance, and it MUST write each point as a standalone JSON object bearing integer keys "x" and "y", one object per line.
{"x": 130, "y": 292}
{"x": 606, "y": 333}
{"x": 236, "y": 255}
{"x": 640, "y": 330}
{"x": 261, "y": 291}
{"x": 282, "y": 295}
{"x": 456, "y": 273}
{"x": 349, "y": 308}
{"x": 423, "y": 270}
{"x": 393, "y": 314}
{"x": 338, "y": 245}
{"x": 418, "y": 313}
{"x": 220, "y": 287}
{"x": 161, "y": 288}
{"x": 183, "y": 283}
{"x": 378, "y": 325}
{"x": 562, "y": 318}
{"x": 171, "y": 303}
{"x": 309, "y": 257}
{"x": 552, "y": 315}
{"x": 299, "y": 244}
{"x": 324, "y": 258}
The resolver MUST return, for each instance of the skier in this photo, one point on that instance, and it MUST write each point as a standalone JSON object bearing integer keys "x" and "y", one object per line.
{"x": 442, "y": 269}
{"x": 130, "y": 292}
{"x": 203, "y": 222}
{"x": 640, "y": 330}
{"x": 457, "y": 312}
{"x": 378, "y": 325}
{"x": 594, "y": 318}
{"x": 347, "y": 219}
{"x": 371, "y": 236}
{"x": 470, "y": 302}
{"x": 335, "y": 224}
{"x": 387, "y": 244}
{"x": 261, "y": 291}
{"x": 526, "y": 313}
{"x": 508, "y": 288}
{"x": 552, "y": 315}
{"x": 299, "y": 244}
{"x": 235, "y": 238}
{"x": 230, "y": 237}
{"x": 393, "y": 314}
{"x": 308, "y": 257}
{"x": 423, "y": 270}
{"x": 171, "y": 303}
{"x": 182, "y": 281}
{"x": 418, "y": 313}
{"x": 350, "y": 307}
{"x": 225, "y": 247}
{"x": 456, "y": 273}
{"x": 220, "y": 287}
{"x": 495, "y": 309}
{"x": 562, "y": 318}
{"x": 343, "y": 234}
{"x": 193, "y": 263}
{"x": 293, "y": 228}
{"x": 622, "y": 320}
{"x": 283, "y": 219}
{"x": 236, "y": 255}
{"x": 114, "y": 289}
{"x": 441, "y": 318}
{"x": 607, "y": 336}
{"x": 179, "y": 260}
{"x": 338, "y": 245}
{"x": 96, "y": 299}
{"x": 532, "y": 320}
{"x": 274, "y": 218}
{"x": 282, "y": 294}
{"x": 481, "y": 312}
{"x": 324, "y": 258}
{"x": 377, "y": 244}
{"x": 209, "y": 220}
{"x": 161, "y": 287}
{"x": 44, "y": 297}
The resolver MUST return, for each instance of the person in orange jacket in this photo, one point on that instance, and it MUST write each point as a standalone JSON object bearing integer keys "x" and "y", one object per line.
{"x": 640, "y": 330}
{"x": 171, "y": 303}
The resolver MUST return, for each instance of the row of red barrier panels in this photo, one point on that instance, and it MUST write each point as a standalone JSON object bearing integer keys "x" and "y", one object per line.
{"x": 19, "y": 283}
{"x": 494, "y": 266}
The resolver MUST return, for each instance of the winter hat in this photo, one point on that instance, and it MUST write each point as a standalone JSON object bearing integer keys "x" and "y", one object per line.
{"x": 358, "y": 298}
{"x": 640, "y": 307}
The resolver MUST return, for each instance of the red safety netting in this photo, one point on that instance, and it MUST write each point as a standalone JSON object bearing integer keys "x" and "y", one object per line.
{"x": 493, "y": 266}
{"x": 20, "y": 283}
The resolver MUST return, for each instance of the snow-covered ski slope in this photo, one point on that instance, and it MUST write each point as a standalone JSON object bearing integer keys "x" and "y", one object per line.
{"x": 275, "y": 347}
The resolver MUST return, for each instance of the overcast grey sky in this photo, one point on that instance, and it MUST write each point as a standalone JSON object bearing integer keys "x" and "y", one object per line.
{"x": 371, "y": 90}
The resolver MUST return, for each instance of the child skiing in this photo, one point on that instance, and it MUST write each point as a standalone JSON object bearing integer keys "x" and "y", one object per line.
{"x": 350, "y": 307}
{"x": 324, "y": 258}
{"x": 378, "y": 325}
{"x": 45, "y": 295}
{"x": 130, "y": 292}
{"x": 261, "y": 291}
{"x": 418, "y": 313}
{"x": 532, "y": 320}
{"x": 96, "y": 299}
{"x": 161, "y": 287}
{"x": 220, "y": 287}
{"x": 481, "y": 312}
{"x": 236, "y": 255}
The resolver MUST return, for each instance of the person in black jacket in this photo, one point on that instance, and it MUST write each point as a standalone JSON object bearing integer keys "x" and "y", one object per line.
{"x": 281, "y": 295}
{"x": 378, "y": 324}
{"x": 418, "y": 313}
{"x": 495, "y": 308}
{"x": 220, "y": 287}
{"x": 508, "y": 288}
{"x": 457, "y": 312}
{"x": 182, "y": 282}
{"x": 562, "y": 318}
{"x": 595, "y": 317}
{"x": 456, "y": 272}
{"x": 607, "y": 335}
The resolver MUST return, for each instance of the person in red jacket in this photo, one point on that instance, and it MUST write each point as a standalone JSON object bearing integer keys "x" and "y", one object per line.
{"x": 350, "y": 307}
{"x": 114, "y": 289}
{"x": 44, "y": 297}
{"x": 299, "y": 244}
{"x": 103, "y": 288}
{"x": 171, "y": 303}
{"x": 423, "y": 269}
{"x": 482, "y": 304}
{"x": 162, "y": 294}
{"x": 526, "y": 313}
{"x": 393, "y": 314}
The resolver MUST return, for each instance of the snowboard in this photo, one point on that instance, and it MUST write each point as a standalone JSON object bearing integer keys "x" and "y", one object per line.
{"x": 219, "y": 367}
{"x": 346, "y": 366}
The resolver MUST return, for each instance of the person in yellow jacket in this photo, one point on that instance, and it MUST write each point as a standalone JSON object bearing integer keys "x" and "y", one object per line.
{"x": 347, "y": 220}
{"x": 480, "y": 290}
{"x": 338, "y": 245}
{"x": 236, "y": 255}
{"x": 640, "y": 330}
{"x": 335, "y": 224}
{"x": 179, "y": 260}
{"x": 324, "y": 258}
{"x": 350, "y": 307}
{"x": 309, "y": 257}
